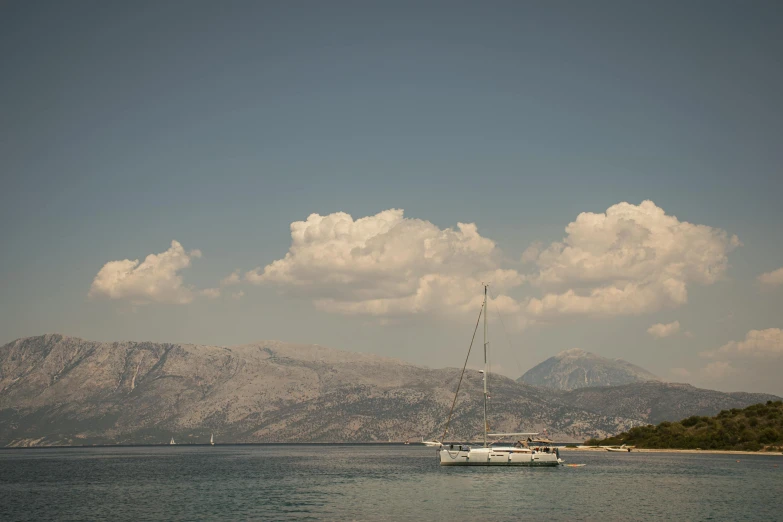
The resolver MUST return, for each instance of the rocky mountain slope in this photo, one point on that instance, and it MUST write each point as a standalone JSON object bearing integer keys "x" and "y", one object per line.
{"x": 655, "y": 402}
{"x": 575, "y": 368}
{"x": 64, "y": 390}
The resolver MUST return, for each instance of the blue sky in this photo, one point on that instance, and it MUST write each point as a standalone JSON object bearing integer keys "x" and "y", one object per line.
{"x": 124, "y": 127}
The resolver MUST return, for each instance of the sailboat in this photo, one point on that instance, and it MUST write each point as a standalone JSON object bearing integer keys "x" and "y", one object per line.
{"x": 211, "y": 439}
{"x": 172, "y": 441}
{"x": 487, "y": 454}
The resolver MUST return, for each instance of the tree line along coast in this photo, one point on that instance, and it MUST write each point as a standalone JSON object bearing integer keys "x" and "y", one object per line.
{"x": 758, "y": 427}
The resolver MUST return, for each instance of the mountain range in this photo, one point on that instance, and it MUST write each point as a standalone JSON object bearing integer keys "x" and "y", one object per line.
{"x": 58, "y": 390}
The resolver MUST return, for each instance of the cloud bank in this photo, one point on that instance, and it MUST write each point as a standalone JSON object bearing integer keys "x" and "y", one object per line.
{"x": 387, "y": 264}
{"x": 630, "y": 260}
{"x": 757, "y": 343}
{"x": 156, "y": 279}
{"x": 757, "y": 357}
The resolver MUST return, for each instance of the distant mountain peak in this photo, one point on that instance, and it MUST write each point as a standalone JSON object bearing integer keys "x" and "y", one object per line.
{"x": 577, "y": 368}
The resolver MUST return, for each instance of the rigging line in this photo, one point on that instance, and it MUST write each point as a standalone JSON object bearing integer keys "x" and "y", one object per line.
{"x": 448, "y": 421}
{"x": 510, "y": 347}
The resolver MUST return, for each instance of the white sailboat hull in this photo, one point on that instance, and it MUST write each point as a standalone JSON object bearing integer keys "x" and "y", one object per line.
{"x": 495, "y": 457}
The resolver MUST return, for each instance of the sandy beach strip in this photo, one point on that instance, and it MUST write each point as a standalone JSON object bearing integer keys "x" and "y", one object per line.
{"x": 643, "y": 450}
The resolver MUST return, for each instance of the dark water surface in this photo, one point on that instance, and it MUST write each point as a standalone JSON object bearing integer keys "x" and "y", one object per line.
{"x": 356, "y": 482}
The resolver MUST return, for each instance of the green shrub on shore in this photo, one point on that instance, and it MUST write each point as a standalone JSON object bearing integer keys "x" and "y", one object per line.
{"x": 754, "y": 428}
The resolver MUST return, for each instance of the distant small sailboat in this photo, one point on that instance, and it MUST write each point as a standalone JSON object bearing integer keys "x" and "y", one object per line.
{"x": 172, "y": 443}
{"x": 212, "y": 439}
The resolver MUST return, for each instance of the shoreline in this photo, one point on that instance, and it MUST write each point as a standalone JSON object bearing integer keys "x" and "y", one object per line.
{"x": 658, "y": 450}
{"x": 413, "y": 444}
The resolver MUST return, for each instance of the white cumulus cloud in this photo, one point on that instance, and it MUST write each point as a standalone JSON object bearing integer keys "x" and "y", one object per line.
{"x": 387, "y": 264}
{"x": 773, "y": 278}
{"x": 156, "y": 279}
{"x": 231, "y": 279}
{"x": 757, "y": 343}
{"x": 632, "y": 259}
{"x": 661, "y": 330}
{"x": 718, "y": 370}
{"x": 752, "y": 361}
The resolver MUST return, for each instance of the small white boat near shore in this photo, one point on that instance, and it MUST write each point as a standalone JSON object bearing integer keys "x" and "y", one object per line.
{"x": 617, "y": 449}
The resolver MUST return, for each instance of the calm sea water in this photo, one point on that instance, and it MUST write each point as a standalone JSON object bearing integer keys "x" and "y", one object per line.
{"x": 357, "y": 482}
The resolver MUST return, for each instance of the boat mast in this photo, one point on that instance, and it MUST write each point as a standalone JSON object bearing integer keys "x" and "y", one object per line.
{"x": 486, "y": 368}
